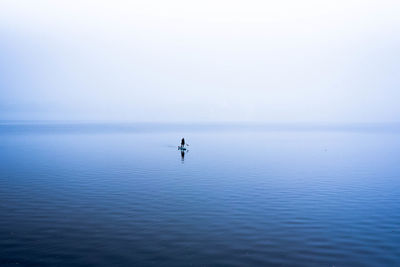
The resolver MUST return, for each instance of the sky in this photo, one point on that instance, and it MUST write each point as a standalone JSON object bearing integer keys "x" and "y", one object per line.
{"x": 200, "y": 61}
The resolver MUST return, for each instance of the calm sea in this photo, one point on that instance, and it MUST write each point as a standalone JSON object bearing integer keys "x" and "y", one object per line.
{"x": 123, "y": 195}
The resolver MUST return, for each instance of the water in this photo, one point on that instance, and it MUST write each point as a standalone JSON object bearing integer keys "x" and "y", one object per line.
{"x": 79, "y": 195}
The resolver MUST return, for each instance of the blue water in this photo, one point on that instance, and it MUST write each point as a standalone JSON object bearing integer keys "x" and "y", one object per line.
{"x": 109, "y": 195}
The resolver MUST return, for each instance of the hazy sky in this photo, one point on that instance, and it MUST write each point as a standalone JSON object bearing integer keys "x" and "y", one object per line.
{"x": 267, "y": 61}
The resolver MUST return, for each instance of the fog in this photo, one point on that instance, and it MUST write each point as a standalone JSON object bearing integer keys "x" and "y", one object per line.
{"x": 200, "y": 61}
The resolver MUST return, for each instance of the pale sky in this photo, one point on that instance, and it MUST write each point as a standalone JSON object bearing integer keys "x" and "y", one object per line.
{"x": 200, "y": 61}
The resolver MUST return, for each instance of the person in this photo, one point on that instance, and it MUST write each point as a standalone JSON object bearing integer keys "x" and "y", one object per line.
{"x": 183, "y": 142}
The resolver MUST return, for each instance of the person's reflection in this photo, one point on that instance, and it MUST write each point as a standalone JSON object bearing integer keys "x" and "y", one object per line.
{"x": 182, "y": 156}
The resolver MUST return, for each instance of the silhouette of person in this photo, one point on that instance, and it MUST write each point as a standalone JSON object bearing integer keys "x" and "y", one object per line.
{"x": 183, "y": 142}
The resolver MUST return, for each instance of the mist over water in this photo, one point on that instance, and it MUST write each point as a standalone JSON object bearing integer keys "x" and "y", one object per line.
{"x": 173, "y": 61}
{"x": 289, "y": 109}
{"x": 239, "y": 196}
